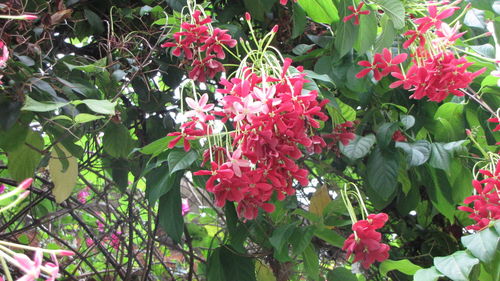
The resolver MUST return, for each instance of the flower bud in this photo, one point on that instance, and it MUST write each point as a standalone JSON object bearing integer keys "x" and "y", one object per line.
{"x": 29, "y": 17}
{"x": 25, "y": 184}
{"x": 65, "y": 253}
{"x": 248, "y": 17}
{"x": 275, "y": 28}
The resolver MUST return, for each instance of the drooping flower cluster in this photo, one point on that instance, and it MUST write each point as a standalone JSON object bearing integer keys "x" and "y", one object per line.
{"x": 342, "y": 133}
{"x": 202, "y": 46}
{"x": 435, "y": 70}
{"x": 272, "y": 116}
{"x": 486, "y": 201}
{"x": 365, "y": 241}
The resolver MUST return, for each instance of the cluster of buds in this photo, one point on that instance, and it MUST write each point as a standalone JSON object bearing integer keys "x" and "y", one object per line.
{"x": 202, "y": 46}
{"x": 435, "y": 70}
{"x": 486, "y": 200}
{"x": 30, "y": 268}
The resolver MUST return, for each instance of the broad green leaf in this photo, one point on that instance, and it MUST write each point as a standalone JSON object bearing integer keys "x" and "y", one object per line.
{"x": 386, "y": 38}
{"x": 322, "y": 11}
{"x": 319, "y": 200}
{"x": 170, "y": 214}
{"x": 359, "y": 147}
{"x": 43, "y": 86}
{"x": 385, "y": 133}
{"x": 311, "y": 262}
{"x": 24, "y": 159}
{"x": 341, "y": 274}
{"x": 64, "y": 179}
{"x": 451, "y": 122}
{"x": 214, "y": 266}
{"x": 482, "y": 244}
{"x": 440, "y": 157}
{"x": 456, "y": 266}
{"x": 95, "y": 21}
{"x": 329, "y": 236}
{"x": 97, "y": 67}
{"x": 299, "y": 21}
{"x": 117, "y": 141}
{"x": 159, "y": 182}
{"x": 395, "y": 10}
{"x": 408, "y": 121}
{"x": 345, "y": 37}
{"x": 36, "y": 106}
{"x": 157, "y": 146}
{"x": 382, "y": 173}
{"x": 417, "y": 153}
{"x": 427, "y": 274}
{"x": 176, "y": 5}
{"x": 100, "y": 106}
{"x": 180, "y": 160}
{"x": 405, "y": 266}
{"x": 440, "y": 193}
{"x": 301, "y": 238}
{"x": 279, "y": 240}
{"x": 263, "y": 272}
{"x": 236, "y": 266}
{"x": 259, "y": 8}
{"x": 14, "y": 137}
{"x": 367, "y": 33}
{"x": 302, "y": 49}
{"x": 85, "y": 117}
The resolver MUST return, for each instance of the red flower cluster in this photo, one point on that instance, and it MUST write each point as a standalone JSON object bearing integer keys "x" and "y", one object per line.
{"x": 272, "y": 116}
{"x": 343, "y": 133}
{"x": 365, "y": 241}
{"x": 202, "y": 46}
{"x": 398, "y": 136}
{"x": 436, "y": 77}
{"x": 435, "y": 71}
{"x": 355, "y": 13}
{"x": 487, "y": 200}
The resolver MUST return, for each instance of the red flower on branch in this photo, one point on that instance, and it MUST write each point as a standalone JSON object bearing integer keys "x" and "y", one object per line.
{"x": 355, "y": 13}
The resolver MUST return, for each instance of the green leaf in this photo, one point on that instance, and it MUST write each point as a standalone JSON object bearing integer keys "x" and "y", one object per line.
{"x": 14, "y": 137}
{"x": 180, "y": 160}
{"x": 322, "y": 11}
{"x": 408, "y": 121}
{"x": 311, "y": 262}
{"x": 395, "y": 10}
{"x": 329, "y": 236}
{"x": 263, "y": 272}
{"x": 279, "y": 240}
{"x": 95, "y": 21}
{"x": 454, "y": 126}
{"x": 36, "y": 106}
{"x": 170, "y": 214}
{"x": 85, "y": 117}
{"x": 483, "y": 244}
{"x": 100, "y": 106}
{"x": 440, "y": 157}
{"x": 235, "y": 266}
{"x": 405, "y": 266}
{"x": 457, "y": 266}
{"x": 341, "y": 274}
{"x": 159, "y": 182}
{"x": 427, "y": 274}
{"x": 23, "y": 160}
{"x": 301, "y": 238}
{"x": 367, "y": 33}
{"x": 440, "y": 193}
{"x": 156, "y": 147}
{"x": 117, "y": 141}
{"x": 64, "y": 179}
{"x": 345, "y": 37}
{"x": 385, "y": 133}
{"x": 359, "y": 147}
{"x": 386, "y": 38}
{"x": 382, "y": 173}
{"x": 299, "y": 21}
{"x": 258, "y": 8}
{"x": 417, "y": 153}
{"x": 176, "y": 5}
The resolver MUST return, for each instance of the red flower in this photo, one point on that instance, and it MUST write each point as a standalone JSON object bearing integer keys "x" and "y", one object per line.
{"x": 284, "y": 2}
{"x": 355, "y": 13}
{"x": 486, "y": 203}
{"x": 365, "y": 241}
{"x": 398, "y": 136}
{"x": 434, "y": 19}
{"x": 495, "y": 120}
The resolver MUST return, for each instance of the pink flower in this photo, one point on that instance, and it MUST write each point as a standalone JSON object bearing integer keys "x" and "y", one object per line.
{"x": 199, "y": 108}
{"x": 236, "y": 162}
{"x": 29, "y": 17}
{"x": 284, "y": 2}
{"x": 5, "y": 54}
{"x": 31, "y": 268}
{"x": 83, "y": 194}
{"x": 185, "y": 206}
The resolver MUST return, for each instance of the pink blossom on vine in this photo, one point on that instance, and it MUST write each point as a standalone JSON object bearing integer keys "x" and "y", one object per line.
{"x": 355, "y": 13}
